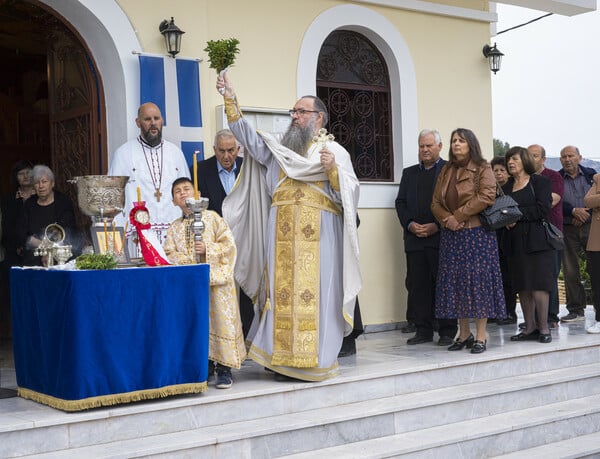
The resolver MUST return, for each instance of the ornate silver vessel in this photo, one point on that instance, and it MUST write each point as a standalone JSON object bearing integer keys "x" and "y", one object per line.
{"x": 52, "y": 245}
{"x": 100, "y": 196}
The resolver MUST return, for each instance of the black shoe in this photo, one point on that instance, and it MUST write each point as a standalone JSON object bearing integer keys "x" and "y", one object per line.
{"x": 409, "y": 328}
{"x": 445, "y": 341}
{"x": 533, "y": 336}
{"x": 510, "y": 319}
{"x": 419, "y": 339}
{"x": 348, "y": 347}
{"x": 224, "y": 379}
{"x": 459, "y": 345}
{"x": 522, "y": 326}
{"x": 479, "y": 347}
{"x": 284, "y": 378}
{"x": 545, "y": 338}
{"x": 573, "y": 317}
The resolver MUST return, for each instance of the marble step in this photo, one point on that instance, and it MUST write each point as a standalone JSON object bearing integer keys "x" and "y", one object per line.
{"x": 577, "y": 447}
{"x": 280, "y": 434}
{"x": 517, "y": 432}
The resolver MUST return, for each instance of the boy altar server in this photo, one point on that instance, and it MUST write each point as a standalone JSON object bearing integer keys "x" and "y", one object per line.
{"x": 217, "y": 248}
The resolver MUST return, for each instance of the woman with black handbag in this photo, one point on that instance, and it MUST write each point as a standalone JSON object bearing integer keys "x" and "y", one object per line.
{"x": 529, "y": 255}
{"x": 469, "y": 283}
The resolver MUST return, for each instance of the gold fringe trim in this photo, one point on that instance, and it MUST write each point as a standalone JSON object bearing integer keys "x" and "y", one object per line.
{"x": 113, "y": 399}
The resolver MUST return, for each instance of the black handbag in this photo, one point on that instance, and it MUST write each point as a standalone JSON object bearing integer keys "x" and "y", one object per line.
{"x": 503, "y": 212}
{"x": 554, "y": 236}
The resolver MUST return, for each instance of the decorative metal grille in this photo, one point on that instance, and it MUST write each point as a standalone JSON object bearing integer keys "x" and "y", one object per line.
{"x": 353, "y": 81}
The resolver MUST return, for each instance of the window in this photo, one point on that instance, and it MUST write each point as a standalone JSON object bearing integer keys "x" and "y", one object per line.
{"x": 353, "y": 81}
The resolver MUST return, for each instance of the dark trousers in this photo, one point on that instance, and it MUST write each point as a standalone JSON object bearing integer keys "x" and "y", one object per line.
{"x": 358, "y": 327}
{"x": 553, "y": 304}
{"x": 421, "y": 274}
{"x": 510, "y": 296}
{"x": 575, "y": 243}
{"x": 594, "y": 258}
{"x": 246, "y": 312}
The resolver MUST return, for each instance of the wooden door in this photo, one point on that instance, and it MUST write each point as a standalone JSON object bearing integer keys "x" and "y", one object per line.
{"x": 75, "y": 114}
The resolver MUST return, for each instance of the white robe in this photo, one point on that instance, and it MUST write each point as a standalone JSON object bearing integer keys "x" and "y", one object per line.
{"x": 339, "y": 269}
{"x": 129, "y": 160}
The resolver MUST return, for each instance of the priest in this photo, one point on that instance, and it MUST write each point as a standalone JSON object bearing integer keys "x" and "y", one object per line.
{"x": 152, "y": 164}
{"x": 293, "y": 215}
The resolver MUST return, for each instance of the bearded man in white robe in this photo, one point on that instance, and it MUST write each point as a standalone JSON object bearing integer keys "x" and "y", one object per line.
{"x": 152, "y": 164}
{"x": 293, "y": 216}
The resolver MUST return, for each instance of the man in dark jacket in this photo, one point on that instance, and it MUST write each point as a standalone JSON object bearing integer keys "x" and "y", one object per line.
{"x": 576, "y": 228}
{"x": 422, "y": 240}
{"x": 216, "y": 177}
{"x": 217, "y": 174}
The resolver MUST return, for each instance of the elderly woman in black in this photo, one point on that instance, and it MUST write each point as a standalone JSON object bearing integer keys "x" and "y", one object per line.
{"x": 528, "y": 254}
{"x": 49, "y": 206}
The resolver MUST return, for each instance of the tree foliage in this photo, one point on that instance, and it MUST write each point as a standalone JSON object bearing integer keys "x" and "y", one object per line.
{"x": 500, "y": 147}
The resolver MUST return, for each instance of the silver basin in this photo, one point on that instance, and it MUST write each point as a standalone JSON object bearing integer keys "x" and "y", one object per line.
{"x": 101, "y": 195}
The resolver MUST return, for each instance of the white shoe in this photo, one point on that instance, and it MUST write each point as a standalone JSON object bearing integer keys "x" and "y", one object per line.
{"x": 594, "y": 328}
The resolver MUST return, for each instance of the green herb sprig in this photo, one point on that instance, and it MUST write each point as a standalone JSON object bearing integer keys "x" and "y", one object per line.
{"x": 96, "y": 261}
{"x": 221, "y": 53}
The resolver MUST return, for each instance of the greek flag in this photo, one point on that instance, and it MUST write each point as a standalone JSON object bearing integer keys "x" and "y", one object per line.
{"x": 174, "y": 86}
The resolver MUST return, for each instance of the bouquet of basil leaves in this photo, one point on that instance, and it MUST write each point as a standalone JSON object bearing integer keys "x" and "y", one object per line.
{"x": 222, "y": 53}
{"x": 95, "y": 261}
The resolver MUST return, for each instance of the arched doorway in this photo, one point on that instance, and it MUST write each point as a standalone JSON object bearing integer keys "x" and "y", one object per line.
{"x": 51, "y": 100}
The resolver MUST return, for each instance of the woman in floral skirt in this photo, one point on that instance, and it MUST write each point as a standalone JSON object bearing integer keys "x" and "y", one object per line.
{"x": 469, "y": 282}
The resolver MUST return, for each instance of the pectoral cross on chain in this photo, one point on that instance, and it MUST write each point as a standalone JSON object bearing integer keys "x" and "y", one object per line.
{"x": 322, "y": 137}
{"x": 158, "y": 194}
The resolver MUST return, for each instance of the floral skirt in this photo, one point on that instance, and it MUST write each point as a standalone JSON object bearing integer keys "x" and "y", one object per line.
{"x": 469, "y": 282}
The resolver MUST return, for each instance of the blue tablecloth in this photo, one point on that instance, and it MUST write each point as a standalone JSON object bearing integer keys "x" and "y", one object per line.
{"x": 90, "y": 338}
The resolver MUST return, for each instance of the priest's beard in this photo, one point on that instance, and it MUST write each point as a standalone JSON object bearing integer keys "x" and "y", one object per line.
{"x": 297, "y": 138}
{"x": 152, "y": 140}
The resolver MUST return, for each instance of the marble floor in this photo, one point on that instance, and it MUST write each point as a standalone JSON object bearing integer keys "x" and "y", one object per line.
{"x": 379, "y": 354}
{"x": 377, "y": 349}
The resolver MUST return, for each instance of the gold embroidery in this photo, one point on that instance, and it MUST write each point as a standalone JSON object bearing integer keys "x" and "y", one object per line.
{"x": 296, "y": 278}
{"x": 307, "y": 295}
{"x": 298, "y": 195}
{"x": 308, "y": 231}
{"x": 232, "y": 110}
{"x": 285, "y": 228}
{"x": 295, "y": 192}
{"x": 334, "y": 178}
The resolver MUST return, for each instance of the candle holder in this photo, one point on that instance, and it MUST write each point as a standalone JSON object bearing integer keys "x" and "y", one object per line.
{"x": 197, "y": 206}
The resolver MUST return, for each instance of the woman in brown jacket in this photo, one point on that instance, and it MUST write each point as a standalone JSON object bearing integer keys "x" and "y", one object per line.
{"x": 469, "y": 282}
{"x": 592, "y": 201}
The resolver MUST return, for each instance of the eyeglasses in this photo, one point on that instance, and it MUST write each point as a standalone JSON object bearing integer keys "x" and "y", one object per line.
{"x": 301, "y": 111}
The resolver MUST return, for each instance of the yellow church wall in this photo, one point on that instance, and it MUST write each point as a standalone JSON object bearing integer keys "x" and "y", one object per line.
{"x": 452, "y": 83}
